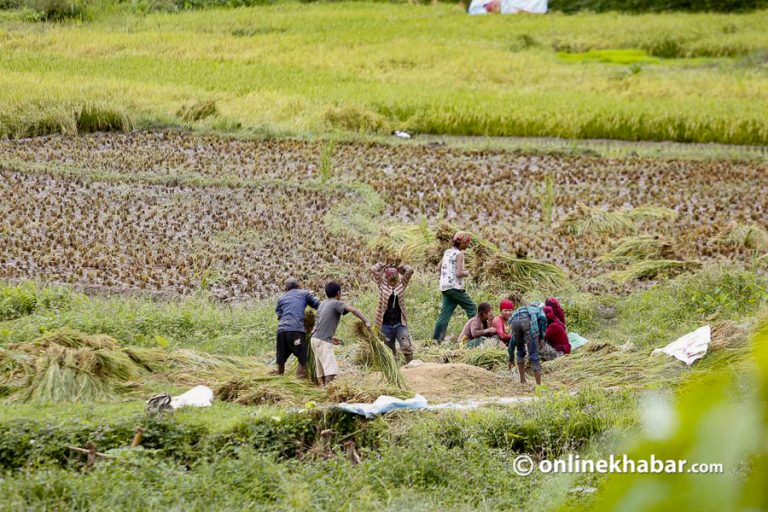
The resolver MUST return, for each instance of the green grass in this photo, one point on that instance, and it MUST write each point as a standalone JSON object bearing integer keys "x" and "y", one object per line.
{"x": 353, "y": 67}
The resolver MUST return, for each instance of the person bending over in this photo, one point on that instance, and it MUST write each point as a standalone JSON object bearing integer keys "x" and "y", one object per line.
{"x": 528, "y": 325}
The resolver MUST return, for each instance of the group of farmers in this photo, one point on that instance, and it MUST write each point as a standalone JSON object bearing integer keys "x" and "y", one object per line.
{"x": 535, "y": 330}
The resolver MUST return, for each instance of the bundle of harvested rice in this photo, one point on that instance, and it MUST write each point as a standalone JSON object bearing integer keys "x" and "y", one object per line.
{"x": 383, "y": 358}
{"x": 653, "y": 269}
{"x": 67, "y": 366}
{"x": 592, "y": 221}
{"x": 268, "y": 389}
{"x": 639, "y": 248}
{"x": 491, "y": 359}
{"x": 406, "y": 242}
{"x": 607, "y": 367}
{"x": 525, "y": 274}
{"x": 749, "y": 236}
{"x": 345, "y": 390}
{"x": 309, "y": 326}
{"x": 650, "y": 212}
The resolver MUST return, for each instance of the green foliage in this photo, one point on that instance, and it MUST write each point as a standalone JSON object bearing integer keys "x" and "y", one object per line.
{"x": 57, "y": 10}
{"x": 30, "y": 310}
{"x": 624, "y": 57}
{"x": 657, "y": 316}
{"x": 28, "y": 298}
{"x": 572, "y": 6}
{"x": 707, "y": 406}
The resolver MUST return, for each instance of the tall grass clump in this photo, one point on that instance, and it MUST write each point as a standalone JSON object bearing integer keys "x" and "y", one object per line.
{"x": 101, "y": 118}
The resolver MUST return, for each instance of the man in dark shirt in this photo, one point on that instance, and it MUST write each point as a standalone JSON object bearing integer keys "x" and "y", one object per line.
{"x": 291, "y": 338}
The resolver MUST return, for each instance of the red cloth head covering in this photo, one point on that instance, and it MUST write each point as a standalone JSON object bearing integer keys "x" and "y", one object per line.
{"x": 553, "y": 302}
{"x": 557, "y": 309}
{"x": 550, "y": 313}
{"x": 390, "y": 272}
{"x": 506, "y": 304}
{"x": 462, "y": 236}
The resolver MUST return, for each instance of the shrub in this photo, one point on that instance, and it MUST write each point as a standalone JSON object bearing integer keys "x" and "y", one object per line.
{"x": 58, "y": 10}
{"x": 571, "y": 6}
{"x": 25, "y": 299}
{"x": 100, "y": 118}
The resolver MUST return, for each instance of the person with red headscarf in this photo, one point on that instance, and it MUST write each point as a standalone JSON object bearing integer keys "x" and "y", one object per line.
{"x": 557, "y": 309}
{"x": 555, "y": 334}
{"x": 506, "y": 308}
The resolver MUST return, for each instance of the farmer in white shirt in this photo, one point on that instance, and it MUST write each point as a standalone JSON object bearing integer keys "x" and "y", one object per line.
{"x": 452, "y": 275}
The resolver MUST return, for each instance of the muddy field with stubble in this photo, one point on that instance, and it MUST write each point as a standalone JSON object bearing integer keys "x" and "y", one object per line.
{"x": 172, "y": 212}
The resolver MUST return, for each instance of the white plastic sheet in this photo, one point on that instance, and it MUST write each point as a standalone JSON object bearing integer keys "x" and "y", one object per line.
{"x": 507, "y": 6}
{"x": 198, "y": 396}
{"x": 690, "y": 347}
{"x": 385, "y": 404}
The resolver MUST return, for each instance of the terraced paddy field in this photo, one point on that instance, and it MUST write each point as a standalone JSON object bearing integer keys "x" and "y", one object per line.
{"x": 170, "y": 212}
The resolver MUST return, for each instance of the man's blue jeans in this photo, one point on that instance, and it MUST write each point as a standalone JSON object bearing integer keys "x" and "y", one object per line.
{"x": 398, "y": 333}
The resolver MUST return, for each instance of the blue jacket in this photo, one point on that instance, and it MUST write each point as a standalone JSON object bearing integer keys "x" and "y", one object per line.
{"x": 538, "y": 320}
{"x": 290, "y": 309}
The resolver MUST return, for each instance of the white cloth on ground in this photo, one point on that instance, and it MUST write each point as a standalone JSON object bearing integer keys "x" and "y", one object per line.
{"x": 690, "y": 347}
{"x": 198, "y": 396}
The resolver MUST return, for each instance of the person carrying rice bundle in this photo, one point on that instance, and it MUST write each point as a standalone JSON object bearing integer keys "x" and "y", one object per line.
{"x": 291, "y": 338}
{"x": 452, "y": 275}
{"x": 324, "y": 335}
{"x": 478, "y": 331}
{"x": 528, "y": 325}
{"x": 391, "y": 316}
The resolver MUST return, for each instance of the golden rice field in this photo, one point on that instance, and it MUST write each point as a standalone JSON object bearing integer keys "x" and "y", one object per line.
{"x": 173, "y": 212}
{"x": 372, "y": 67}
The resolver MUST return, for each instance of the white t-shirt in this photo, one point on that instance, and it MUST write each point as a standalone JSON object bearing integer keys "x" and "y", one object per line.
{"x": 448, "y": 279}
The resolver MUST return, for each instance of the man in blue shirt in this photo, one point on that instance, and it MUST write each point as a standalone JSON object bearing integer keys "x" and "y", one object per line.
{"x": 291, "y": 338}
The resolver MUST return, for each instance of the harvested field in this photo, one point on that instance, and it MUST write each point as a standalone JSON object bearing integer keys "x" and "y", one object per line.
{"x": 171, "y": 212}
